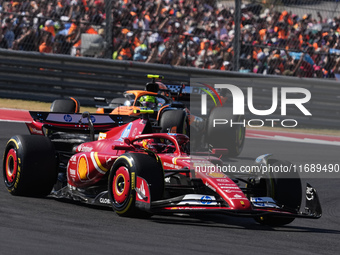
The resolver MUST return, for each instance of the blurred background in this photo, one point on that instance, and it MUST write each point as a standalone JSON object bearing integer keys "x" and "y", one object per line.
{"x": 278, "y": 37}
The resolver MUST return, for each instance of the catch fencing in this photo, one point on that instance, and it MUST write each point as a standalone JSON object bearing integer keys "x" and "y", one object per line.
{"x": 45, "y": 77}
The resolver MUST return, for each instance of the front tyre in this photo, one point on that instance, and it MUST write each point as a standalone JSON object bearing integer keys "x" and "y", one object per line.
{"x": 285, "y": 189}
{"x": 29, "y": 165}
{"x": 174, "y": 121}
{"x": 123, "y": 179}
{"x": 226, "y": 135}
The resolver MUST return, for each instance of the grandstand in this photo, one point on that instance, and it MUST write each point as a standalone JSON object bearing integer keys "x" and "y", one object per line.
{"x": 277, "y": 37}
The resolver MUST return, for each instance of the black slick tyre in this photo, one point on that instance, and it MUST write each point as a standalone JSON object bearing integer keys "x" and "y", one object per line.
{"x": 225, "y": 135}
{"x": 285, "y": 189}
{"x": 69, "y": 105}
{"x": 29, "y": 165}
{"x": 122, "y": 182}
{"x": 173, "y": 121}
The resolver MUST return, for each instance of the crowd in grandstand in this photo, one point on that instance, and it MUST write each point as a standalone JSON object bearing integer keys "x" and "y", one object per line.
{"x": 186, "y": 33}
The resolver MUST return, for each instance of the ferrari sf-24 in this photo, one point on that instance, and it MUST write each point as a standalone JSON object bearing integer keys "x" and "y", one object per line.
{"x": 109, "y": 160}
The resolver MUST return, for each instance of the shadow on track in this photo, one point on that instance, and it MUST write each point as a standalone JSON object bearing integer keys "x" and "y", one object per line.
{"x": 229, "y": 222}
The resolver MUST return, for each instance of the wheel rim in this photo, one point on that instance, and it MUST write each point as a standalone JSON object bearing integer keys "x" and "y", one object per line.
{"x": 11, "y": 166}
{"x": 121, "y": 185}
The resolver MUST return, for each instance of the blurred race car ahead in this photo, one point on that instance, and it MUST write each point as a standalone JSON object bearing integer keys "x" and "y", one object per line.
{"x": 140, "y": 173}
{"x": 168, "y": 115}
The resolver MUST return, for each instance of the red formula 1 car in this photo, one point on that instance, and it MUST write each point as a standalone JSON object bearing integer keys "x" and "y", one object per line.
{"x": 112, "y": 161}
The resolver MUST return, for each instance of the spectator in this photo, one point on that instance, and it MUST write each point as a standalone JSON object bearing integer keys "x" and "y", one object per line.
{"x": 3, "y": 42}
{"x": 205, "y": 55}
{"x": 8, "y": 32}
{"x": 126, "y": 50}
{"x": 27, "y": 41}
{"x": 47, "y": 45}
{"x": 176, "y": 32}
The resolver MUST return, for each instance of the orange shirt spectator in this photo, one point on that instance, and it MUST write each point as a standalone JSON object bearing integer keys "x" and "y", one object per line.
{"x": 44, "y": 48}
{"x": 47, "y": 45}
{"x": 90, "y": 30}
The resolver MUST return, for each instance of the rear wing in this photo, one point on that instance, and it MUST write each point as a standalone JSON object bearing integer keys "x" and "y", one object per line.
{"x": 76, "y": 121}
{"x": 187, "y": 91}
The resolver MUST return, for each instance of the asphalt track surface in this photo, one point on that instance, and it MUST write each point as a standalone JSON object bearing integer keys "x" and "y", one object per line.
{"x": 49, "y": 226}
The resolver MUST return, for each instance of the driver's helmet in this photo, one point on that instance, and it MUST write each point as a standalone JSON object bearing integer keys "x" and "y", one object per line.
{"x": 152, "y": 145}
{"x": 146, "y": 143}
{"x": 148, "y": 101}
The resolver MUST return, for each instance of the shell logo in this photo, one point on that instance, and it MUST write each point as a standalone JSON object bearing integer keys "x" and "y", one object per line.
{"x": 83, "y": 168}
{"x": 216, "y": 175}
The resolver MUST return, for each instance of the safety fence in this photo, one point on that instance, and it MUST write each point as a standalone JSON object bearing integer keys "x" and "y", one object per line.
{"x": 199, "y": 34}
{"x": 45, "y": 77}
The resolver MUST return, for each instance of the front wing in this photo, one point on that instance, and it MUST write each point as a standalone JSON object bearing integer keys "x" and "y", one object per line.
{"x": 201, "y": 203}
{"x": 260, "y": 206}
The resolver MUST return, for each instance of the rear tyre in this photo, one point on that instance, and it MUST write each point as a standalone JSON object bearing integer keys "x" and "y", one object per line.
{"x": 122, "y": 181}
{"x": 69, "y": 105}
{"x": 225, "y": 135}
{"x": 285, "y": 189}
{"x": 29, "y": 166}
{"x": 174, "y": 121}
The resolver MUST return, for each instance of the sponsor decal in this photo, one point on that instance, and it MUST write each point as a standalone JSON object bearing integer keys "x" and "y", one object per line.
{"x": 227, "y": 190}
{"x": 35, "y": 131}
{"x": 134, "y": 133}
{"x": 72, "y": 172}
{"x": 141, "y": 191}
{"x": 196, "y": 199}
{"x": 168, "y": 165}
{"x": 262, "y": 158}
{"x": 133, "y": 182}
{"x": 84, "y": 148}
{"x": 309, "y": 193}
{"x": 171, "y": 165}
{"x": 172, "y": 134}
{"x": 126, "y": 132}
{"x": 206, "y": 200}
{"x": 228, "y": 186}
{"x": 102, "y": 136}
{"x": 263, "y": 202}
{"x": 258, "y": 201}
{"x": 104, "y": 201}
{"x": 222, "y": 180}
{"x": 237, "y": 198}
{"x": 93, "y": 119}
{"x": 67, "y": 117}
{"x": 217, "y": 175}
{"x": 191, "y": 208}
{"x": 83, "y": 167}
